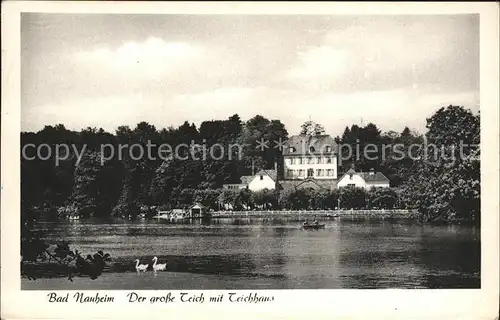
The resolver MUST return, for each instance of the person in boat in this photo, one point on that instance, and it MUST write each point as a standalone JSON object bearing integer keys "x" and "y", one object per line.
{"x": 305, "y": 223}
{"x": 316, "y": 222}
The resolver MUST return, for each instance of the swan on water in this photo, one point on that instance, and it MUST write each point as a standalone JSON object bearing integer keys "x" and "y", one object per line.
{"x": 140, "y": 267}
{"x": 159, "y": 267}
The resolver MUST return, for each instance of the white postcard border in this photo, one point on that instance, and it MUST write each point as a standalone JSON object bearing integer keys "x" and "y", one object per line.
{"x": 385, "y": 304}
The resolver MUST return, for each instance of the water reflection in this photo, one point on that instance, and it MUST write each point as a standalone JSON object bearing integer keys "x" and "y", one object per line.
{"x": 276, "y": 253}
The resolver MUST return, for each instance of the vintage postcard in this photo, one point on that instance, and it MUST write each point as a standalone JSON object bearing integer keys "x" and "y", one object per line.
{"x": 277, "y": 160}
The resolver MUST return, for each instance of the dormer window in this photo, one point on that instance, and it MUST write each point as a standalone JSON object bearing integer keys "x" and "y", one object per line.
{"x": 261, "y": 177}
{"x": 291, "y": 149}
{"x": 312, "y": 149}
{"x": 328, "y": 149}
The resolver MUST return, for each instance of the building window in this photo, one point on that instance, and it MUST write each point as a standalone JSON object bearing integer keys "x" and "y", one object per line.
{"x": 312, "y": 149}
{"x": 310, "y": 160}
{"x": 328, "y": 172}
{"x": 310, "y": 173}
{"x": 328, "y": 160}
{"x": 301, "y": 172}
{"x": 351, "y": 184}
{"x": 328, "y": 149}
{"x": 291, "y": 149}
{"x": 319, "y": 160}
{"x": 318, "y": 172}
{"x": 261, "y": 177}
{"x": 289, "y": 173}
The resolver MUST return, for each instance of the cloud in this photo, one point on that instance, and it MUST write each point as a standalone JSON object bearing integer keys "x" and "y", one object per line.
{"x": 391, "y": 70}
{"x": 222, "y": 97}
{"x": 152, "y": 57}
{"x": 102, "y": 111}
{"x": 389, "y": 109}
{"x": 388, "y": 53}
{"x": 319, "y": 63}
{"x": 389, "y": 45}
{"x": 110, "y": 111}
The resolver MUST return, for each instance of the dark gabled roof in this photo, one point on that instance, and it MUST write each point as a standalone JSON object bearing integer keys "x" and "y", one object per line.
{"x": 375, "y": 177}
{"x": 246, "y": 179}
{"x": 198, "y": 204}
{"x": 367, "y": 176}
{"x": 302, "y": 145}
{"x": 271, "y": 173}
{"x": 319, "y": 183}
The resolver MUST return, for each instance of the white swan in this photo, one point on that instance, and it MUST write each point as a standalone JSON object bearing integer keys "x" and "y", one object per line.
{"x": 140, "y": 267}
{"x": 158, "y": 267}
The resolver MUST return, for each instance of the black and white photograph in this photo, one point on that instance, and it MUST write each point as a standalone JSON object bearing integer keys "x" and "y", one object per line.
{"x": 250, "y": 152}
{"x": 255, "y": 153}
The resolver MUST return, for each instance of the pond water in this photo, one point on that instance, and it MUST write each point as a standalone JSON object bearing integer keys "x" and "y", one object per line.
{"x": 272, "y": 254}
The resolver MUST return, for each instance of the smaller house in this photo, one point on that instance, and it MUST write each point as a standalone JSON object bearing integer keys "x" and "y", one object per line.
{"x": 364, "y": 180}
{"x": 244, "y": 181}
{"x": 197, "y": 210}
{"x": 264, "y": 179}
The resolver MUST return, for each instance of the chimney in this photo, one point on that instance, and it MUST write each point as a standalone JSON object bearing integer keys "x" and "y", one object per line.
{"x": 372, "y": 171}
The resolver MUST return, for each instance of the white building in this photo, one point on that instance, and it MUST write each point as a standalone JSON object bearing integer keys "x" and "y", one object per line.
{"x": 310, "y": 157}
{"x": 313, "y": 157}
{"x": 364, "y": 180}
{"x": 264, "y": 179}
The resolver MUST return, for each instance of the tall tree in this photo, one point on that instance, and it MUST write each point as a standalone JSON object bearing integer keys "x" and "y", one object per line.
{"x": 445, "y": 185}
{"x": 361, "y": 148}
{"x": 311, "y": 128}
{"x": 270, "y": 132}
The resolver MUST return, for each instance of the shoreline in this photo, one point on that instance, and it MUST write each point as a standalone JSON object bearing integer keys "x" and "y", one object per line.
{"x": 347, "y": 215}
{"x": 351, "y": 214}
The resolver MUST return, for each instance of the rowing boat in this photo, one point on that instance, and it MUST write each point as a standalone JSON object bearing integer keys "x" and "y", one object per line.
{"x": 313, "y": 226}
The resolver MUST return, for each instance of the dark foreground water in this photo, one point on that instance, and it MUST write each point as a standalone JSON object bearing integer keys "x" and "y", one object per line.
{"x": 273, "y": 254}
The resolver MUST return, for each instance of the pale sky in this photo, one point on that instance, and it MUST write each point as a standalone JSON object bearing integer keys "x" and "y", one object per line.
{"x": 109, "y": 70}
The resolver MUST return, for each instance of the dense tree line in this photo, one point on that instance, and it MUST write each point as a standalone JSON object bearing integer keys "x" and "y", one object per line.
{"x": 444, "y": 183}
{"x": 83, "y": 184}
{"x": 120, "y": 186}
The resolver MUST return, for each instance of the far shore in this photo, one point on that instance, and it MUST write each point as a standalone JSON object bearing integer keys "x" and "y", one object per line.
{"x": 343, "y": 213}
{"x": 393, "y": 213}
